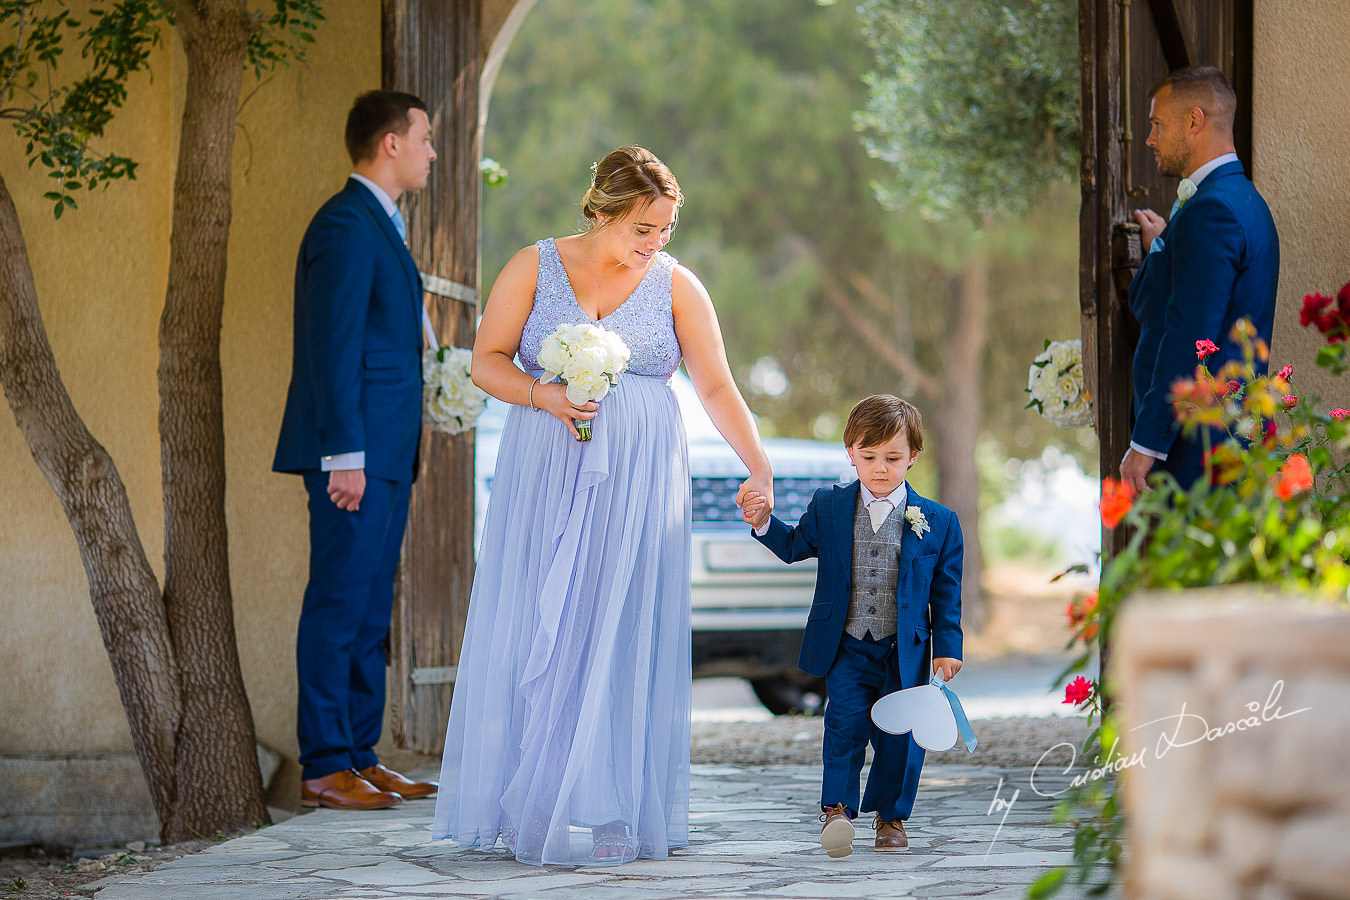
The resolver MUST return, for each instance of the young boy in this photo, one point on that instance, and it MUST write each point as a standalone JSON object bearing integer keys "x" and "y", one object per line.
{"x": 888, "y": 595}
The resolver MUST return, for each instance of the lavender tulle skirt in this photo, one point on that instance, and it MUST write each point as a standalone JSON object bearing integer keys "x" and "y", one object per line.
{"x": 568, "y": 738}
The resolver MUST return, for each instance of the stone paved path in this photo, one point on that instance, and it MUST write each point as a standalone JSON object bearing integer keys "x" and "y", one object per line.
{"x": 753, "y": 835}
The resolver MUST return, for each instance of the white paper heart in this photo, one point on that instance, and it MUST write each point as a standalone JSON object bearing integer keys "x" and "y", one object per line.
{"x": 922, "y": 710}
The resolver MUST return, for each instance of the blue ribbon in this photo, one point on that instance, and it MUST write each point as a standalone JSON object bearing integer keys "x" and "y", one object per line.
{"x": 962, "y": 723}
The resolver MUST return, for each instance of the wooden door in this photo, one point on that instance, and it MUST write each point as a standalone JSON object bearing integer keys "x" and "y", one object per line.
{"x": 432, "y": 49}
{"x": 1126, "y": 47}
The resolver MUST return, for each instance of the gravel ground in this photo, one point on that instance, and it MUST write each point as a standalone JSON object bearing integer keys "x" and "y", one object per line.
{"x": 1018, "y": 741}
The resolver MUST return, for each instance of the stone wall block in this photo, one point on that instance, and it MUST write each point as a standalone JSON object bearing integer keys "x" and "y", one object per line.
{"x": 1245, "y": 843}
{"x": 1238, "y": 703}
{"x": 1313, "y": 856}
{"x": 1175, "y": 783}
{"x": 1183, "y": 876}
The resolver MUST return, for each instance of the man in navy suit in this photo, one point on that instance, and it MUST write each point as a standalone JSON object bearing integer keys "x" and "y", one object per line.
{"x": 1216, "y": 261}
{"x": 351, "y": 427}
{"x": 888, "y": 596}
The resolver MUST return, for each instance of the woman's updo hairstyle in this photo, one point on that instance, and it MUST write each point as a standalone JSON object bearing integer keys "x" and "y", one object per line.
{"x": 627, "y": 178}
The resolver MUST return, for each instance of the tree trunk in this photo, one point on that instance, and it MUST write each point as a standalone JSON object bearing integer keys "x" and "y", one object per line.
{"x": 122, "y": 586}
{"x": 956, "y": 424}
{"x": 216, "y": 767}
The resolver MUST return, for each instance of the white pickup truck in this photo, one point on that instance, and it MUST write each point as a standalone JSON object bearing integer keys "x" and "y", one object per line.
{"x": 749, "y": 609}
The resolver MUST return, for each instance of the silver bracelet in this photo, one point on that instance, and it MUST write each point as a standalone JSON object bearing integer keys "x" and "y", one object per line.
{"x": 532, "y": 384}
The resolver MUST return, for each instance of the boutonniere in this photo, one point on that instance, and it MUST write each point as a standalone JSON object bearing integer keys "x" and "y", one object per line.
{"x": 1185, "y": 190}
{"x": 917, "y": 523}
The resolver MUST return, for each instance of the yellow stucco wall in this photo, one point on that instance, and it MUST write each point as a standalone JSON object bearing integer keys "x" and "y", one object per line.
{"x": 1301, "y": 99}
{"x": 100, "y": 276}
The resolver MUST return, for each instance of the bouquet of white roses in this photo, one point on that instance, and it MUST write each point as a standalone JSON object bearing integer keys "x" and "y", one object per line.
{"x": 1055, "y": 384}
{"x": 450, "y": 399}
{"x": 586, "y": 358}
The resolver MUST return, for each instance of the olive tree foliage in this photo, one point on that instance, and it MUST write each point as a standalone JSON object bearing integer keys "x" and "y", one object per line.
{"x": 64, "y": 74}
{"x": 973, "y": 106}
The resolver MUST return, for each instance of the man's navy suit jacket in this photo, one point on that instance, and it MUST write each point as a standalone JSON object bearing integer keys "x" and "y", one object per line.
{"x": 1219, "y": 263}
{"x": 356, "y": 380}
{"x": 928, "y": 593}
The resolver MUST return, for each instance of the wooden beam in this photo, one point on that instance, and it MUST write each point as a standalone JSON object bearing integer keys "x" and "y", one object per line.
{"x": 432, "y": 48}
{"x": 1176, "y": 48}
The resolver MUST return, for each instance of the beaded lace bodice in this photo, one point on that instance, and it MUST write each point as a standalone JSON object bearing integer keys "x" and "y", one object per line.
{"x": 644, "y": 320}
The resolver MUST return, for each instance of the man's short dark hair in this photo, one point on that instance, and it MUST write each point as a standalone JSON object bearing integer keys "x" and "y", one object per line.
{"x": 1205, "y": 87}
{"x": 375, "y": 114}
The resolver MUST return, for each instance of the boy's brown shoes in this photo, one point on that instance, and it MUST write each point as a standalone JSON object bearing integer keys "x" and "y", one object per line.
{"x": 345, "y": 790}
{"x": 837, "y": 835}
{"x": 890, "y": 835}
{"x": 391, "y": 781}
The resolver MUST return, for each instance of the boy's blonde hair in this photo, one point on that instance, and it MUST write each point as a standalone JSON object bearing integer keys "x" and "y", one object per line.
{"x": 880, "y": 417}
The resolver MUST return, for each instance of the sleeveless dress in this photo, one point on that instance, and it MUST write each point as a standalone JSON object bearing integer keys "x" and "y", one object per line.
{"x": 569, "y": 725}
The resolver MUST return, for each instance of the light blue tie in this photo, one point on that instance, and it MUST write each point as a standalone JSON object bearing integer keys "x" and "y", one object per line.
{"x": 400, "y": 226}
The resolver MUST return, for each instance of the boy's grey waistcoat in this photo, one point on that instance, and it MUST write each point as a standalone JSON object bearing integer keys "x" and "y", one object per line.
{"x": 876, "y": 574}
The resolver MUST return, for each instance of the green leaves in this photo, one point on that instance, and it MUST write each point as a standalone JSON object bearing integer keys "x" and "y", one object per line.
{"x": 284, "y": 35}
{"x": 57, "y": 120}
{"x": 973, "y": 105}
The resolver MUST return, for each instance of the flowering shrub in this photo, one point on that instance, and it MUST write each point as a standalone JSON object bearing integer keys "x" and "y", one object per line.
{"x": 1271, "y": 509}
{"x": 1332, "y": 318}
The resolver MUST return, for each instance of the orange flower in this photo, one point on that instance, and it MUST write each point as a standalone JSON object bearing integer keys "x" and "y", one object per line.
{"x": 1294, "y": 477}
{"x": 1224, "y": 465}
{"x": 1080, "y": 609}
{"x": 1199, "y": 400}
{"x": 1117, "y": 498}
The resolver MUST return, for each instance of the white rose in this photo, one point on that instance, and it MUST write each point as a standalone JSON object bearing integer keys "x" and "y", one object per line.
{"x": 1065, "y": 353}
{"x": 585, "y": 388}
{"x": 571, "y": 335}
{"x": 1067, "y": 386}
{"x": 585, "y": 362}
{"x": 552, "y": 358}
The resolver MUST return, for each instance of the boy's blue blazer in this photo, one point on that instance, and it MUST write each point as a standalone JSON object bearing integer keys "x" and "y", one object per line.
{"x": 928, "y": 598}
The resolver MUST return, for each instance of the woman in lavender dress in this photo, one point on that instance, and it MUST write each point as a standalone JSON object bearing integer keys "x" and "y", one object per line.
{"x": 568, "y": 737}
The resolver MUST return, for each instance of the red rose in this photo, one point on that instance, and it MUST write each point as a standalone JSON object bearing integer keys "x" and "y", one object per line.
{"x": 1078, "y": 691}
{"x": 1311, "y": 314}
{"x": 1234, "y": 387}
{"x": 1340, "y": 415}
{"x": 1286, "y": 372}
{"x": 1205, "y": 348}
{"x": 1290, "y": 401}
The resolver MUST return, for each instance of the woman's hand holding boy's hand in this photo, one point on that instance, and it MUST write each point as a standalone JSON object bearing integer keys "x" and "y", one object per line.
{"x": 755, "y": 509}
{"x": 948, "y": 665}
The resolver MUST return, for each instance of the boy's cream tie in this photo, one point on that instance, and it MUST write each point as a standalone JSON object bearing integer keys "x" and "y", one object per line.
{"x": 879, "y": 509}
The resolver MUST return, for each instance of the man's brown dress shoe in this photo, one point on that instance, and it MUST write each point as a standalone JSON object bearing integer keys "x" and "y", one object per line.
{"x": 394, "y": 783}
{"x": 837, "y": 835}
{"x": 345, "y": 790}
{"x": 890, "y": 835}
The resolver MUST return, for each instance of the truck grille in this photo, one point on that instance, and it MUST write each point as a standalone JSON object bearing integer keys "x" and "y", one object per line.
{"x": 715, "y": 499}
